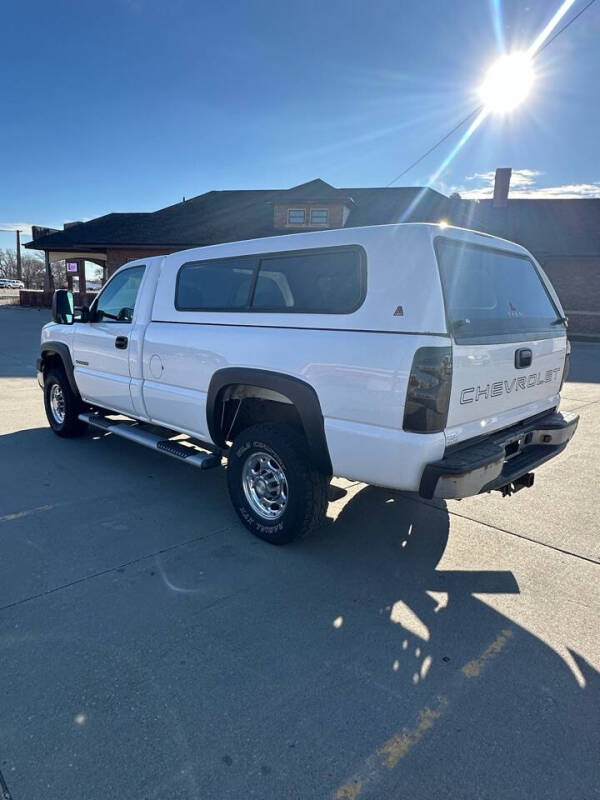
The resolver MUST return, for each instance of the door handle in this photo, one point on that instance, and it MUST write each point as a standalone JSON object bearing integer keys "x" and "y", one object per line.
{"x": 121, "y": 342}
{"x": 523, "y": 358}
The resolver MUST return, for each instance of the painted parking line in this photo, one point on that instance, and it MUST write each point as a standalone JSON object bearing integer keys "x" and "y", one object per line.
{"x": 398, "y": 746}
{"x": 472, "y": 669}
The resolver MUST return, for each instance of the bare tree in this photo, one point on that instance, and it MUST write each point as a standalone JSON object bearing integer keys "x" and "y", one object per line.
{"x": 97, "y": 273}
{"x": 33, "y": 269}
{"x": 8, "y": 264}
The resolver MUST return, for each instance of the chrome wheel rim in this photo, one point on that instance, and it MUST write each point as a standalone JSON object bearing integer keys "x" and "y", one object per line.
{"x": 57, "y": 403}
{"x": 265, "y": 485}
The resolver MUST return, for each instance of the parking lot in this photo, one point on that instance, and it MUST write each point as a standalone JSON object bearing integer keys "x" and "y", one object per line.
{"x": 152, "y": 648}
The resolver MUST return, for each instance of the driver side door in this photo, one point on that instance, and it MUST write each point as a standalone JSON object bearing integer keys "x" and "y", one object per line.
{"x": 101, "y": 346}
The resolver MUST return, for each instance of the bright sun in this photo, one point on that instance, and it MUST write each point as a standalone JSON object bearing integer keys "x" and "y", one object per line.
{"x": 507, "y": 82}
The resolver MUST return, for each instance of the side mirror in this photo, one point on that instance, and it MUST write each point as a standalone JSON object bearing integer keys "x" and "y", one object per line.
{"x": 62, "y": 307}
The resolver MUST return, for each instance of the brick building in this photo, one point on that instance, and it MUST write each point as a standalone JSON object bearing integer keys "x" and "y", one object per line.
{"x": 564, "y": 235}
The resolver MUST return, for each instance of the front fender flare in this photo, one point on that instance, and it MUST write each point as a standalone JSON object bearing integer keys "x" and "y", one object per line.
{"x": 62, "y": 351}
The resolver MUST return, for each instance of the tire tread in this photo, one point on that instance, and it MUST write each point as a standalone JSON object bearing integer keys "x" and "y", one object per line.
{"x": 315, "y": 483}
{"x": 72, "y": 425}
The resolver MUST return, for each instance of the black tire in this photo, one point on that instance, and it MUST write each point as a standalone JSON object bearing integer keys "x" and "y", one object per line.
{"x": 306, "y": 487}
{"x": 70, "y": 425}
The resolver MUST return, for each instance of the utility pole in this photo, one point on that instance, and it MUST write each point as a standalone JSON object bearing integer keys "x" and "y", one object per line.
{"x": 19, "y": 268}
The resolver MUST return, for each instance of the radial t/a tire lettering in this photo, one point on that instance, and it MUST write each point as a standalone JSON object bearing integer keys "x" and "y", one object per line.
{"x": 276, "y": 491}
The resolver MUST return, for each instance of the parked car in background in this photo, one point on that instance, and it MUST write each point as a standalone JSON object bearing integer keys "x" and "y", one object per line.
{"x": 413, "y": 357}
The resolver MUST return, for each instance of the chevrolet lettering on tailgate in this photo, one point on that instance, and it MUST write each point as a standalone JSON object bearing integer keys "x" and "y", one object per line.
{"x": 475, "y": 393}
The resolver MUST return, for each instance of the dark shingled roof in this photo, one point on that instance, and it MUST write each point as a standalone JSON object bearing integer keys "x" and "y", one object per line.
{"x": 316, "y": 190}
{"x": 396, "y": 204}
{"x": 113, "y": 228}
{"x": 546, "y": 227}
{"x": 226, "y": 216}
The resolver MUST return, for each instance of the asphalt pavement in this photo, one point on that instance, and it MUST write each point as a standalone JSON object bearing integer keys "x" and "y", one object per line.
{"x": 151, "y": 648}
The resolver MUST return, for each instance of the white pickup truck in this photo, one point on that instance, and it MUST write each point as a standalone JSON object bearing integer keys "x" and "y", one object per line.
{"x": 417, "y": 357}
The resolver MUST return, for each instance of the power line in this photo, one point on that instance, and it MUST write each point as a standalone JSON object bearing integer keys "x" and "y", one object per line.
{"x": 476, "y": 110}
{"x": 564, "y": 27}
{"x": 436, "y": 145}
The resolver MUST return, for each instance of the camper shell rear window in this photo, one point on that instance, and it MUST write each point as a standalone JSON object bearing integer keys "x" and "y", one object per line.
{"x": 496, "y": 293}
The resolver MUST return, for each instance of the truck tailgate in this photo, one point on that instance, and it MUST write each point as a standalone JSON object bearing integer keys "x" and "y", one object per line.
{"x": 490, "y": 390}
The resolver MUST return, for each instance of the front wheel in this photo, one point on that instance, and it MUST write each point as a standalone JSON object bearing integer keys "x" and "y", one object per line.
{"x": 62, "y": 405}
{"x": 275, "y": 489}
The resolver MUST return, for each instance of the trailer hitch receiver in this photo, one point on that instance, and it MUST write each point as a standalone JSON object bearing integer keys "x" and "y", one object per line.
{"x": 524, "y": 482}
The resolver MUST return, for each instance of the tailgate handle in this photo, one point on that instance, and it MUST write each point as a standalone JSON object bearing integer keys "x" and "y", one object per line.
{"x": 523, "y": 357}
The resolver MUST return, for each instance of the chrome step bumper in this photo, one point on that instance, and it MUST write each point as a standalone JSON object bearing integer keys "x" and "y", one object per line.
{"x": 497, "y": 460}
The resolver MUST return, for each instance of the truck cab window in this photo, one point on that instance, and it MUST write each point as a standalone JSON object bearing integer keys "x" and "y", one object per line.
{"x": 117, "y": 302}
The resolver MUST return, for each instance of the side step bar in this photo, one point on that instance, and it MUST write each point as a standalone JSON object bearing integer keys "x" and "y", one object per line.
{"x": 135, "y": 432}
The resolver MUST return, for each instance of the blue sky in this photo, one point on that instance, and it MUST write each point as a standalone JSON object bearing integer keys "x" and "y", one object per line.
{"x": 127, "y": 105}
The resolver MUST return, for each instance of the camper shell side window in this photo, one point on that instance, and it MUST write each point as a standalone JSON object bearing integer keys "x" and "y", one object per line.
{"x": 329, "y": 280}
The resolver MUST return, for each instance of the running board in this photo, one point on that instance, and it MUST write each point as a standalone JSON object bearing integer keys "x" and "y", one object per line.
{"x": 135, "y": 432}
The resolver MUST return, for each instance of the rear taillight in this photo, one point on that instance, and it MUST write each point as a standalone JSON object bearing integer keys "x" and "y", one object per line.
{"x": 428, "y": 393}
{"x": 567, "y": 365}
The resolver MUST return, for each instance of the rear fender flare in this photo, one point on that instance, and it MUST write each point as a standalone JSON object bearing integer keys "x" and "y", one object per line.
{"x": 300, "y": 393}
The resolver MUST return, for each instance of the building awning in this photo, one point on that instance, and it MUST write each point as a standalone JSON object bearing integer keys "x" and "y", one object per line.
{"x": 67, "y": 255}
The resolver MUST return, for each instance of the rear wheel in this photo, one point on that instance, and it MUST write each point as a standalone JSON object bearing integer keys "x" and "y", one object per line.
{"x": 275, "y": 489}
{"x": 62, "y": 405}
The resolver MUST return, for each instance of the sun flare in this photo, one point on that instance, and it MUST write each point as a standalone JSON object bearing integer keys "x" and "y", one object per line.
{"x": 507, "y": 82}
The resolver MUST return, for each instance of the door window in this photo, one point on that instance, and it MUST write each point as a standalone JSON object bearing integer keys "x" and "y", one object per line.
{"x": 116, "y": 303}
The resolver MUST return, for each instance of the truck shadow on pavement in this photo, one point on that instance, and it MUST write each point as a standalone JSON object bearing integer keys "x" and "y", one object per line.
{"x": 486, "y": 707}
{"x": 352, "y": 664}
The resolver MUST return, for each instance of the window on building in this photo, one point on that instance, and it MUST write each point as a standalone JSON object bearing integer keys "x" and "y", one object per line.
{"x": 219, "y": 285}
{"x": 116, "y": 302}
{"x": 312, "y": 282}
{"x": 319, "y": 216}
{"x": 296, "y": 216}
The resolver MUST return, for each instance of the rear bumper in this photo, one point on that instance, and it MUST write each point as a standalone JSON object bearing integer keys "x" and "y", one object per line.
{"x": 498, "y": 459}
